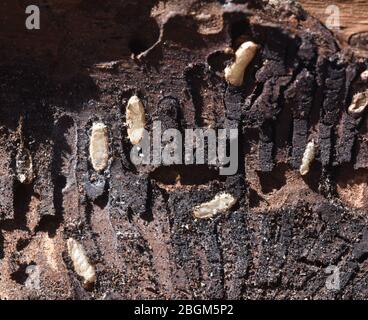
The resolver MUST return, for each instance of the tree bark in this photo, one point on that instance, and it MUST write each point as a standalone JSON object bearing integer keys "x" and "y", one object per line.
{"x": 286, "y": 233}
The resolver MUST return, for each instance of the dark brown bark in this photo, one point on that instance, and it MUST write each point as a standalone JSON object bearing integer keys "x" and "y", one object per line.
{"x": 136, "y": 223}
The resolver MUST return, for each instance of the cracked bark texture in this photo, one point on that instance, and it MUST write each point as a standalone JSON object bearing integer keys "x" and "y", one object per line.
{"x": 136, "y": 223}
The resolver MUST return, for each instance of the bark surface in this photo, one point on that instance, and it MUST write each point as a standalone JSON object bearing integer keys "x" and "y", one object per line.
{"x": 135, "y": 223}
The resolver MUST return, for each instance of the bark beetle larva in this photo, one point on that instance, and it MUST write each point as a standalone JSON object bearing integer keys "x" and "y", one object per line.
{"x": 308, "y": 157}
{"x": 81, "y": 263}
{"x": 359, "y": 103}
{"x": 99, "y": 146}
{"x": 219, "y": 204}
{"x": 135, "y": 119}
{"x": 234, "y": 74}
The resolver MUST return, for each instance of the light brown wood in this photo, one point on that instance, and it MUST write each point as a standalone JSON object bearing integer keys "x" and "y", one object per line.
{"x": 353, "y": 18}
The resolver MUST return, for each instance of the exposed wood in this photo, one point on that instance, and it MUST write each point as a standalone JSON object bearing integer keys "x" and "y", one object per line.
{"x": 353, "y": 18}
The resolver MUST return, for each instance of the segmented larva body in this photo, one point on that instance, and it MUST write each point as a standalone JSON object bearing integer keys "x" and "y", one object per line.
{"x": 99, "y": 146}
{"x": 219, "y": 204}
{"x": 359, "y": 103}
{"x": 308, "y": 157}
{"x": 135, "y": 119}
{"x": 234, "y": 74}
{"x": 81, "y": 263}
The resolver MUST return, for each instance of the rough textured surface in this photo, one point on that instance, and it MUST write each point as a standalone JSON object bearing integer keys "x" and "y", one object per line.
{"x": 353, "y": 20}
{"x": 135, "y": 223}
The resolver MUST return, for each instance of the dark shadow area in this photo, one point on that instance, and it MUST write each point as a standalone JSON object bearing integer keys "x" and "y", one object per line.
{"x": 218, "y": 61}
{"x": 103, "y": 200}
{"x": 88, "y": 213}
{"x": 22, "y": 244}
{"x": 77, "y": 33}
{"x": 194, "y": 77}
{"x": 144, "y": 37}
{"x": 50, "y": 223}
{"x": 183, "y": 31}
{"x": 148, "y": 214}
{"x": 20, "y": 276}
{"x": 239, "y": 33}
{"x": 284, "y": 126}
{"x": 275, "y": 179}
{"x": 314, "y": 176}
{"x": 276, "y": 44}
{"x": 21, "y": 201}
{"x": 254, "y": 198}
{"x": 61, "y": 153}
{"x": 1, "y": 246}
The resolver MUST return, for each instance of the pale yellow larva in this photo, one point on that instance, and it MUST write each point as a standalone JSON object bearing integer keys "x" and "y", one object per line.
{"x": 308, "y": 157}
{"x": 359, "y": 103}
{"x": 234, "y": 73}
{"x": 135, "y": 119}
{"x": 99, "y": 146}
{"x": 219, "y": 204}
{"x": 81, "y": 263}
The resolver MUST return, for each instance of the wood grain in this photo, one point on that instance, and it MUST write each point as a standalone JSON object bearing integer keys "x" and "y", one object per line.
{"x": 353, "y": 19}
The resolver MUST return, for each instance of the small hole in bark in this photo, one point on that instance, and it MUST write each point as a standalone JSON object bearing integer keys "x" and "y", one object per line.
{"x": 130, "y": 215}
{"x": 145, "y": 37}
{"x": 194, "y": 77}
{"x": 239, "y": 33}
{"x": 136, "y": 46}
{"x": 218, "y": 60}
{"x": 254, "y": 198}
{"x": 273, "y": 180}
{"x": 50, "y": 223}
{"x": 140, "y": 249}
{"x": 22, "y": 243}
{"x": 22, "y": 198}
{"x": 147, "y": 216}
{"x": 20, "y": 276}
{"x": 102, "y": 200}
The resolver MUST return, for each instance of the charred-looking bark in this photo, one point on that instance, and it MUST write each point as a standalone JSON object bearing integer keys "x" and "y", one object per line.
{"x": 295, "y": 211}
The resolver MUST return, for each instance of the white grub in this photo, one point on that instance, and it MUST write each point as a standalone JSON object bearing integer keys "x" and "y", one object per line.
{"x": 234, "y": 74}
{"x": 81, "y": 264}
{"x": 99, "y": 146}
{"x": 219, "y": 204}
{"x": 308, "y": 157}
{"x": 364, "y": 76}
{"x": 135, "y": 120}
{"x": 359, "y": 103}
